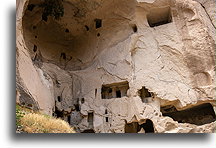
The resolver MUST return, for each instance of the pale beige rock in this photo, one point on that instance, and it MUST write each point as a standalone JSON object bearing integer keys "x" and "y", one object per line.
{"x": 62, "y": 65}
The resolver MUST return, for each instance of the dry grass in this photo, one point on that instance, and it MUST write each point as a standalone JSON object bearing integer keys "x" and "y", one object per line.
{"x": 38, "y": 123}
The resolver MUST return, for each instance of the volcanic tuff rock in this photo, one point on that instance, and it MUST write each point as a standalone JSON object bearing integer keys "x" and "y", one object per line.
{"x": 116, "y": 66}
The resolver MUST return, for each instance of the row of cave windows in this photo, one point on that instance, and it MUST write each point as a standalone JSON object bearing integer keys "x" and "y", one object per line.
{"x": 198, "y": 115}
{"x": 63, "y": 55}
{"x": 113, "y": 91}
{"x": 134, "y": 127}
{"x": 120, "y": 90}
{"x": 144, "y": 93}
{"x": 129, "y": 128}
{"x": 165, "y": 18}
{"x": 98, "y": 22}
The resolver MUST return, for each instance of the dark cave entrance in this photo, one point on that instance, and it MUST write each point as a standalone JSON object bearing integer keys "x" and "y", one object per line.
{"x": 90, "y": 119}
{"x": 118, "y": 94}
{"x": 88, "y": 131}
{"x": 98, "y": 23}
{"x": 148, "y": 126}
{"x": 134, "y": 127}
{"x": 198, "y": 115}
{"x": 58, "y": 114}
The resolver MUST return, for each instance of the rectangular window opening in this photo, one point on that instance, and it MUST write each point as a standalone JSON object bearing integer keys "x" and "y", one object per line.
{"x": 90, "y": 118}
{"x": 118, "y": 94}
{"x": 107, "y": 119}
{"x": 114, "y": 90}
{"x": 159, "y": 16}
{"x": 98, "y": 23}
{"x": 59, "y": 99}
{"x": 69, "y": 119}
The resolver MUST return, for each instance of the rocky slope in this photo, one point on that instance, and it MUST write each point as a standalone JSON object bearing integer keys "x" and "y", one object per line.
{"x": 120, "y": 66}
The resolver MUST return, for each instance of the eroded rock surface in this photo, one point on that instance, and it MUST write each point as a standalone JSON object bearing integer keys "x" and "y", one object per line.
{"x": 120, "y": 66}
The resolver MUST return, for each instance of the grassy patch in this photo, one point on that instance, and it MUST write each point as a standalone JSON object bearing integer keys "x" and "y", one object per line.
{"x": 31, "y": 122}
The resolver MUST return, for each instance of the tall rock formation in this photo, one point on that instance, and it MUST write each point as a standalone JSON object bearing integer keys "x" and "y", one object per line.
{"x": 135, "y": 66}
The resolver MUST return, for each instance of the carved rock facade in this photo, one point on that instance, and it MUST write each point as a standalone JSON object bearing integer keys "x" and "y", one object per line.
{"x": 135, "y": 66}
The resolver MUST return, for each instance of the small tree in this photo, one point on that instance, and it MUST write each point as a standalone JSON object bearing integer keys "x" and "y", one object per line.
{"x": 53, "y": 8}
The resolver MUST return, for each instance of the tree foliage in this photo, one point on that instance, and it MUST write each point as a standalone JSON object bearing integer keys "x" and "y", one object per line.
{"x": 53, "y": 8}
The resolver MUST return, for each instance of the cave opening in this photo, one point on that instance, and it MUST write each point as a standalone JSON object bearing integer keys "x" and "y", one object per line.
{"x": 82, "y": 100}
{"x": 159, "y": 16}
{"x": 63, "y": 56}
{"x": 107, "y": 119}
{"x": 134, "y": 127}
{"x": 58, "y": 113}
{"x": 106, "y": 116}
{"x": 198, "y": 115}
{"x": 87, "y": 28}
{"x": 95, "y": 92}
{"x": 98, "y": 23}
{"x": 76, "y": 104}
{"x": 90, "y": 119}
{"x": 35, "y": 48}
{"x": 114, "y": 90}
{"x": 59, "y": 98}
{"x": 69, "y": 119}
{"x": 144, "y": 94}
{"x": 67, "y": 30}
{"x": 134, "y": 27}
{"x": 118, "y": 94}
{"x": 77, "y": 107}
{"x": 148, "y": 126}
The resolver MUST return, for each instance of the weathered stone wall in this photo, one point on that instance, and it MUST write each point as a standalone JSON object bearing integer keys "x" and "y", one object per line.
{"x": 164, "y": 46}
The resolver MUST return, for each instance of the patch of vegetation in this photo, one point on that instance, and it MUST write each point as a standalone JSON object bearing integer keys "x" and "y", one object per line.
{"x": 53, "y": 8}
{"x": 19, "y": 115}
{"x": 38, "y": 123}
{"x": 35, "y": 122}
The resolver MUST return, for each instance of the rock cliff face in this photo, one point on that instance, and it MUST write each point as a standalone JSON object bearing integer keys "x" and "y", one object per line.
{"x": 134, "y": 66}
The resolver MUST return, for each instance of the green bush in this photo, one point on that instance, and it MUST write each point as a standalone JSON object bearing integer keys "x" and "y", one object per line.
{"x": 19, "y": 115}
